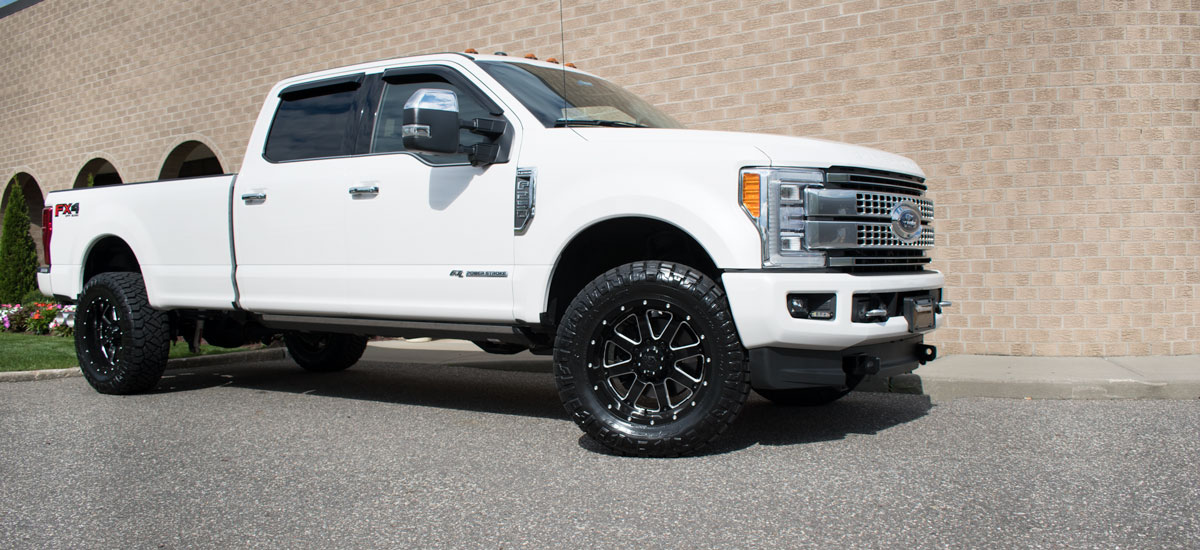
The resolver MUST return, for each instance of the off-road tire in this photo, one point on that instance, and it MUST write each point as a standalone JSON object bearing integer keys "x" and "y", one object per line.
{"x": 703, "y": 385}
{"x": 122, "y": 343}
{"x": 324, "y": 351}
{"x": 809, "y": 397}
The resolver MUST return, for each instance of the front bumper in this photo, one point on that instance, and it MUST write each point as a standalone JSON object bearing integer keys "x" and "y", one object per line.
{"x": 782, "y": 368}
{"x": 758, "y": 300}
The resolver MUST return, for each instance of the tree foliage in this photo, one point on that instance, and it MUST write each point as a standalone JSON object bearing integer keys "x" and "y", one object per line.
{"x": 18, "y": 252}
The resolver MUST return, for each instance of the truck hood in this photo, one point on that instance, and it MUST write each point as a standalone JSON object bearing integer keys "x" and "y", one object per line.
{"x": 781, "y": 150}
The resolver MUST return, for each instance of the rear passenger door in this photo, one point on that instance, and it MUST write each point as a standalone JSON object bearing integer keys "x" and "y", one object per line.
{"x": 289, "y": 201}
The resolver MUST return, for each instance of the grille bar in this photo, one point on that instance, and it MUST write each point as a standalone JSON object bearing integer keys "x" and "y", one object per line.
{"x": 832, "y": 235}
{"x": 848, "y": 202}
{"x": 875, "y": 180}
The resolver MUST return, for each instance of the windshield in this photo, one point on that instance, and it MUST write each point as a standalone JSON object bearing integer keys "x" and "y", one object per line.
{"x": 581, "y": 100}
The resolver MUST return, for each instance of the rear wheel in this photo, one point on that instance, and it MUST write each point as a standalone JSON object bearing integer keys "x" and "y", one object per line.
{"x": 121, "y": 342}
{"x": 499, "y": 348}
{"x": 810, "y": 397}
{"x": 324, "y": 351}
{"x": 648, "y": 361}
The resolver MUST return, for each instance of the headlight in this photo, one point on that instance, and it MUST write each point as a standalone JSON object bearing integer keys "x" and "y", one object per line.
{"x": 774, "y": 199}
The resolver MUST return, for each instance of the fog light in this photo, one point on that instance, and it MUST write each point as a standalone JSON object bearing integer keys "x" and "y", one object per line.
{"x": 790, "y": 244}
{"x": 812, "y": 306}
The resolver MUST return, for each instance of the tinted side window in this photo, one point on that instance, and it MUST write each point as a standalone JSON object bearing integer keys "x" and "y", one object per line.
{"x": 313, "y": 124}
{"x": 387, "y": 139}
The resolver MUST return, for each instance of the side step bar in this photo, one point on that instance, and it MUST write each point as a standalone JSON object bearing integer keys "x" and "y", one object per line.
{"x": 394, "y": 328}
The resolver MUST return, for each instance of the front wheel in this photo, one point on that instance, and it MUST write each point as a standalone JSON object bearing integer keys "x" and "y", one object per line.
{"x": 122, "y": 343}
{"x": 324, "y": 351}
{"x": 648, "y": 361}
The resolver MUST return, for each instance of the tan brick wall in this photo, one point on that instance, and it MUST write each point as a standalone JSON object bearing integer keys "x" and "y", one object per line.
{"x": 1061, "y": 139}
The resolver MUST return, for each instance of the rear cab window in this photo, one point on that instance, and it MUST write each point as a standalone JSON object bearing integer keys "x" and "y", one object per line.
{"x": 315, "y": 120}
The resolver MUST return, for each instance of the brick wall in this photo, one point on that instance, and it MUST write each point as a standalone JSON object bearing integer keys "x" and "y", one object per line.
{"x": 1061, "y": 139}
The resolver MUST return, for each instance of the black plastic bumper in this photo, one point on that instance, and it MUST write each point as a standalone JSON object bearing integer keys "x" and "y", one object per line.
{"x": 784, "y": 368}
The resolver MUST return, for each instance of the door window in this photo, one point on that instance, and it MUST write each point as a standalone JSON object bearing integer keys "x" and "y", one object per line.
{"x": 315, "y": 123}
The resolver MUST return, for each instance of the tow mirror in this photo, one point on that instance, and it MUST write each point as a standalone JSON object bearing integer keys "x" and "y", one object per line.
{"x": 431, "y": 122}
{"x": 431, "y": 125}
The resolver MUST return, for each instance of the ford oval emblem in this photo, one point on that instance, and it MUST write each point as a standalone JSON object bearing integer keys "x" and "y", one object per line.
{"x": 906, "y": 221}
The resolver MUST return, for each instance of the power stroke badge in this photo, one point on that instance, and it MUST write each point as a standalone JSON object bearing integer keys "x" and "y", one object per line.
{"x": 487, "y": 274}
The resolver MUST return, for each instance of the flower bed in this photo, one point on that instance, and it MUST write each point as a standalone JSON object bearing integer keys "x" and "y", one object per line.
{"x": 38, "y": 318}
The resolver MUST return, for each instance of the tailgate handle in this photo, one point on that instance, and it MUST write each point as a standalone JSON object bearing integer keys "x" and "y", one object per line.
{"x": 254, "y": 197}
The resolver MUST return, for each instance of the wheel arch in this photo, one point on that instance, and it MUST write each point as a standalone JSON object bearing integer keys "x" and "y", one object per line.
{"x": 611, "y": 242}
{"x": 109, "y": 253}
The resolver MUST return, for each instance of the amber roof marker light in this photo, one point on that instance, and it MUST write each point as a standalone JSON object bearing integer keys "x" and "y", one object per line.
{"x": 470, "y": 50}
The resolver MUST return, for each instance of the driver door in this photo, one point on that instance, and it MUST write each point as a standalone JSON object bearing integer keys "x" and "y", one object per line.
{"x": 429, "y": 237}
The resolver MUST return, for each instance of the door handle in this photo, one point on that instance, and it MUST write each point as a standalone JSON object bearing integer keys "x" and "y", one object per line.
{"x": 254, "y": 197}
{"x": 372, "y": 190}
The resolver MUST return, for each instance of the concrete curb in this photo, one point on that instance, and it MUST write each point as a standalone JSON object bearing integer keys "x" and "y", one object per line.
{"x": 255, "y": 356}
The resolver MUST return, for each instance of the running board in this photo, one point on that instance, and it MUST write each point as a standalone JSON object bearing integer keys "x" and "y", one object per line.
{"x": 393, "y": 328}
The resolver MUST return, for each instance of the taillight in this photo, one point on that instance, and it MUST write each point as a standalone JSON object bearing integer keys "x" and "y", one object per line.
{"x": 47, "y": 229}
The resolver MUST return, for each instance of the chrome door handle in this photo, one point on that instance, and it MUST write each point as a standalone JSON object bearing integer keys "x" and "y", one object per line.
{"x": 372, "y": 190}
{"x": 254, "y": 197}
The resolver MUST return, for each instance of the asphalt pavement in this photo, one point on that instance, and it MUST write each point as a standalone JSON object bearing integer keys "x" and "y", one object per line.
{"x": 416, "y": 455}
{"x": 948, "y": 378}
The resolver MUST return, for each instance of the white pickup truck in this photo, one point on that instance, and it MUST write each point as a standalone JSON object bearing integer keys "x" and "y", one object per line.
{"x": 521, "y": 205}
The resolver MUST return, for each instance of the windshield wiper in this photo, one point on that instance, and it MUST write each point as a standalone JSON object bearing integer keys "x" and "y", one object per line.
{"x": 562, "y": 122}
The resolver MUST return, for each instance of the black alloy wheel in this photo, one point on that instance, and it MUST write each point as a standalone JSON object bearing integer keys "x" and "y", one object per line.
{"x": 648, "y": 362}
{"x": 122, "y": 343}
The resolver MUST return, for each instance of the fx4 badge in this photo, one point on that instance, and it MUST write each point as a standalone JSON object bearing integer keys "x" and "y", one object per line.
{"x": 489, "y": 274}
{"x": 69, "y": 210}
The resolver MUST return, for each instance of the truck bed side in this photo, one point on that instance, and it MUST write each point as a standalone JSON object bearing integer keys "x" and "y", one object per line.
{"x": 177, "y": 229}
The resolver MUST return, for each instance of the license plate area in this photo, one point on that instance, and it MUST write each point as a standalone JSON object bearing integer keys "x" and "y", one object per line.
{"x": 919, "y": 312}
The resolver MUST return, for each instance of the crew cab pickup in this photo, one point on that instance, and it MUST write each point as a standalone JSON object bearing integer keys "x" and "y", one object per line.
{"x": 522, "y": 205}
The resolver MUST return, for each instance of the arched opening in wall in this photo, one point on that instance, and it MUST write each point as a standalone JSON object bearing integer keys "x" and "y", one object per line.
{"x": 34, "y": 201}
{"x": 97, "y": 172}
{"x": 191, "y": 159}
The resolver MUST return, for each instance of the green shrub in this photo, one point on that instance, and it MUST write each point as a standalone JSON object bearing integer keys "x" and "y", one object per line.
{"x": 36, "y": 296}
{"x": 18, "y": 253}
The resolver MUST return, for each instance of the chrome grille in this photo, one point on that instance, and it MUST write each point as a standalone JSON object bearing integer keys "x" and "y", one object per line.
{"x": 880, "y": 234}
{"x": 880, "y": 204}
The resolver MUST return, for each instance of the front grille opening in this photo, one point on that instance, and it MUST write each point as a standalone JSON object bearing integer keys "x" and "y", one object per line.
{"x": 878, "y": 261}
{"x": 891, "y": 302}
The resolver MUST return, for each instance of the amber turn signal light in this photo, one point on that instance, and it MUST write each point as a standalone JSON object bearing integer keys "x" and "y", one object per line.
{"x": 751, "y": 195}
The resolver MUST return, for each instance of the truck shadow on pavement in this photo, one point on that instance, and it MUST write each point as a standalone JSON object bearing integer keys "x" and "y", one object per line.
{"x": 764, "y": 423}
{"x": 468, "y": 389}
{"x": 527, "y": 389}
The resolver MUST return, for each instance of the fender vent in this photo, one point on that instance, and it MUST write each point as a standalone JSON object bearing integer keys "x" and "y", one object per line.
{"x": 524, "y": 199}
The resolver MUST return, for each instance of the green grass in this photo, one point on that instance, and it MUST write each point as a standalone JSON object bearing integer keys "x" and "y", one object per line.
{"x": 28, "y": 352}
